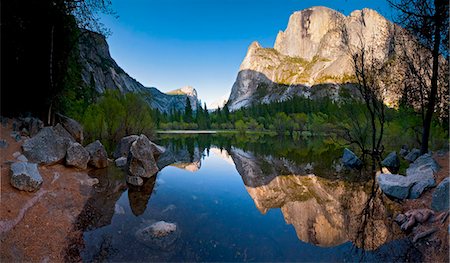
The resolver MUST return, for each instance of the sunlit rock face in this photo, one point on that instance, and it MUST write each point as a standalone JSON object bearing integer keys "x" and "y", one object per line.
{"x": 323, "y": 212}
{"x": 315, "y": 49}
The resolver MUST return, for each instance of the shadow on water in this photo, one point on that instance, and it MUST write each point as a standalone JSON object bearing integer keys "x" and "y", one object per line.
{"x": 332, "y": 210}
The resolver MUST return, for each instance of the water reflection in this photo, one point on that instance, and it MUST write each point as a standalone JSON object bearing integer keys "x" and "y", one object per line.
{"x": 139, "y": 196}
{"x": 323, "y": 212}
{"x": 216, "y": 215}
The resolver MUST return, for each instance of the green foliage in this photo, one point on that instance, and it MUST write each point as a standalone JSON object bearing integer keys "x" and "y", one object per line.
{"x": 115, "y": 115}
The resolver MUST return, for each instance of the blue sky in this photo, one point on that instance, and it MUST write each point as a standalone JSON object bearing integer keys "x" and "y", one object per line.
{"x": 169, "y": 44}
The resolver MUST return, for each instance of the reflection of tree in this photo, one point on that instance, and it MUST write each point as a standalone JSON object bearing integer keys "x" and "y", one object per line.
{"x": 139, "y": 196}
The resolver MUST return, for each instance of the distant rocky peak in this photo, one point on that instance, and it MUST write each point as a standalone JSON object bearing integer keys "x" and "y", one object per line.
{"x": 187, "y": 90}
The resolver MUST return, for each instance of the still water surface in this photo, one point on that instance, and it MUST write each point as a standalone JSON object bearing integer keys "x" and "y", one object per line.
{"x": 238, "y": 199}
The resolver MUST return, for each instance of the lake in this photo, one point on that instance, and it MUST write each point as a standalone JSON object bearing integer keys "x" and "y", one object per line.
{"x": 244, "y": 198}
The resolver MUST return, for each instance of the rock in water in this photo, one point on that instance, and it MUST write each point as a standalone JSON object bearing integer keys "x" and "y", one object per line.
{"x": 77, "y": 156}
{"x": 412, "y": 155}
{"x": 440, "y": 200}
{"x": 25, "y": 176}
{"x": 123, "y": 147}
{"x": 350, "y": 159}
{"x": 159, "y": 235}
{"x": 121, "y": 161}
{"x": 98, "y": 155}
{"x": 140, "y": 158}
{"x": 392, "y": 162}
{"x": 73, "y": 127}
{"x": 49, "y": 146}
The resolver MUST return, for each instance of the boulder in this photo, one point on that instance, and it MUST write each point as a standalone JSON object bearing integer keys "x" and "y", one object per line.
{"x": 412, "y": 155}
{"x": 350, "y": 160}
{"x": 3, "y": 144}
{"x": 410, "y": 186}
{"x": 440, "y": 200}
{"x": 157, "y": 149}
{"x": 62, "y": 132}
{"x": 424, "y": 161}
{"x": 121, "y": 161}
{"x": 77, "y": 156}
{"x": 394, "y": 185}
{"x": 140, "y": 160}
{"x": 98, "y": 157}
{"x": 392, "y": 162}
{"x": 403, "y": 151}
{"x": 49, "y": 146}
{"x": 123, "y": 147}
{"x": 73, "y": 127}
{"x": 135, "y": 180}
{"x": 159, "y": 235}
{"x": 25, "y": 176}
{"x": 29, "y": 125}
{"x": 22, "y": 158}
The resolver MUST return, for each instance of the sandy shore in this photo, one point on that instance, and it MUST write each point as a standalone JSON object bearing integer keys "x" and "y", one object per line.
{"x": 34, "y": 226}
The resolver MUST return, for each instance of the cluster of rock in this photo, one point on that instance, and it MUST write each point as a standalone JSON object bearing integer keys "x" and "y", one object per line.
{"x": 61, "y": 143}
{"x": 137, "y": 155}
{"x": 419, "y": 177}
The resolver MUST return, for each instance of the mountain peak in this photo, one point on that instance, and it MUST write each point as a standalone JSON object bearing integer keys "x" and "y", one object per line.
{"x": 311, "y": 52}
{"x": 187, "y": 90}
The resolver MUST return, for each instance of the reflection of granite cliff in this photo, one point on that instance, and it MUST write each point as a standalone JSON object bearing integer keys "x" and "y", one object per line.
{"x": 323, "y": 212}
{"x": 183, "y": 158}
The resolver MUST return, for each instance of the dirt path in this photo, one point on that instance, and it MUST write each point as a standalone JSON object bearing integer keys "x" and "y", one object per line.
{"x": 34, "y": 226}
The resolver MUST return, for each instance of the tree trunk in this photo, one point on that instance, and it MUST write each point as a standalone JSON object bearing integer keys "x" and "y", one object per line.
{"x": 434, "y": 79}
{"x": 51, "y": 75}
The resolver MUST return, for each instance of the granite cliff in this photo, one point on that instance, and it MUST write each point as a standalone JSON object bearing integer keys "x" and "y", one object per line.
{"x": 100, "y": 71}
{"x": 313, "y": 53}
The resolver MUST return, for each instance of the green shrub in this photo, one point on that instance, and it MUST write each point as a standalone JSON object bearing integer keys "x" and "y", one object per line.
{"x": 115, "y": 115}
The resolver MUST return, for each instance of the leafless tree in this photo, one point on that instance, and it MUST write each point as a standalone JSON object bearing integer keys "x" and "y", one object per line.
{"x": 426, "y": 56}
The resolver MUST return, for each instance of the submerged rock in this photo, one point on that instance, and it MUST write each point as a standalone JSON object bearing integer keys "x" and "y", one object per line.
{"x": 140, "y": 158}
{"x": 159, "y": 235}
{"x": 392, "y": 162}
{"x": 49, "y": 146}
{"x": 77, "y": 156}
{"x": 440, "y": 200}
{"x": 98, "y": 155}
{"x": 123, "y": 147}
{"x": 73, "y": 127}
{"x": 350, "y": 160}
{"x": 412, "y": 155}
{"x": 25, "y": 176}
